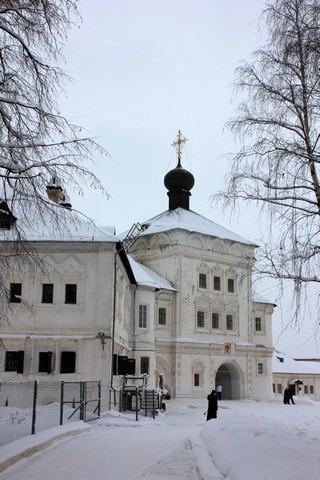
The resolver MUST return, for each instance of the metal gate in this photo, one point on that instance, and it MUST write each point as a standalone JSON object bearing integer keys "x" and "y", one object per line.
{"x": 85, "y": 398}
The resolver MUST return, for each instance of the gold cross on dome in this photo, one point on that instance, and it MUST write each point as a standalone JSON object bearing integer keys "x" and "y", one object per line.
{"x": 178, "y": 144}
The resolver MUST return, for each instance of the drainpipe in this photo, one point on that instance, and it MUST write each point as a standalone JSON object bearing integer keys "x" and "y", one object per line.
{"x": 113, "y": 327}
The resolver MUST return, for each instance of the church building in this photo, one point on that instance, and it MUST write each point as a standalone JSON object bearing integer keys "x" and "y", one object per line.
{"x": 172, "y": 302}
{"x": 202, "y": 326}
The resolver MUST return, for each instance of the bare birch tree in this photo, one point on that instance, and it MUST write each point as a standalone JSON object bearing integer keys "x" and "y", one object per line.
{"x": 36, "y": 142}
{"x": 278, "y": 125}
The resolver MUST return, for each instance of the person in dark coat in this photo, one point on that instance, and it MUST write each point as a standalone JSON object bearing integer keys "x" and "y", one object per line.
{"x": 287, "y": 396}
{"x": 212, "y": 405}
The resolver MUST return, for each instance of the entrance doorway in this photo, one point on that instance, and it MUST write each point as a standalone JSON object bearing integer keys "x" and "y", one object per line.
{"x": 228, "y": 376}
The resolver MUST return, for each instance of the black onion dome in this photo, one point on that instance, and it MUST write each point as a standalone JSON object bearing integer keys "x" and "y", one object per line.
{"x": 179, "y": 178}
{"x": 179, "y": 182}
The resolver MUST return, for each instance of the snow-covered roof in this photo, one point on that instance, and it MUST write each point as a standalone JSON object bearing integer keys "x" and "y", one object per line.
{"x": 282, "y": 363}
{"x": 181, "y": 218}
{"x": 147, "y": 277}
{"x": 259, "y": 299}
{"x": 56, "y": 224}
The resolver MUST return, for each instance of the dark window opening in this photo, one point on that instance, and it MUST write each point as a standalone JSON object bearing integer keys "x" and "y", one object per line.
{"x": 15, "y": 292}
{"x": 144, "y": 365}
{"x": 215, "y": 320}
{"x": 200, "y": 319}
{"x": 162, "y": 316}
{"x": 68, "y": 362}
{"x": 71, "y": 293}
{"x": 202, "y": 280}
{"x": 230, "y": 285}
{"x": 14, "y": 361}
{"x": 122, "y": 365}
{"x": 196, "y": 380}
{"x": 229, "y": 322}
{"x": 47, "y": 293}
{"x": 45, "y": 362}
{"x": 216, "y": 283}
{"x": 258, "y": 324}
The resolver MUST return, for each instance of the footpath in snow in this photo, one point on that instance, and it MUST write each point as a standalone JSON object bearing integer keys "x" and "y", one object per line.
{"x": 248, "y": 441}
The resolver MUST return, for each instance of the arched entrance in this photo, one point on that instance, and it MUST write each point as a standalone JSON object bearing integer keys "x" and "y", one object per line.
{"x": 228, "y": 375}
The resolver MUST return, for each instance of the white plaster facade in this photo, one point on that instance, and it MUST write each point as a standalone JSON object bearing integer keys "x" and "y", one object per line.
{"x": 211, "y": 309}
{"x": 304, "y": 375}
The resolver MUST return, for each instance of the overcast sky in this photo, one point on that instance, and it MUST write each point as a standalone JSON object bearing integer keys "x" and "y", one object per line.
{"x": 142, "y": 70}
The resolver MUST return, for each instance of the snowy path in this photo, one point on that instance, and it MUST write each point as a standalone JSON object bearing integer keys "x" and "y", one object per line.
{"x": 149, "y": 449}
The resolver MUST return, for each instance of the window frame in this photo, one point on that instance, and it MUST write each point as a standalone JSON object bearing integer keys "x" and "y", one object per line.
{"x": 162, "y": 316}
{"x": 15, "y": 360}
{"x": 45, "y": 362}
{"x": 15, "y": 292}
{"x": 231, "y": 282}
{"x": 201, "y": 315}
{"x": 47, "y": 293}
{"x": 144, "y": 365}
{"x": 196, "y": 379}
{"x": 230, "y": 317}
{"x": 260, "y": 369}
{"x": 68, "y": 362}
{"x": 218, "y": 317}
{"x": 216, "y": 279}
{"x": 143, "y": 316}
{"x": 258, "y": 322}
{"x": 71, "y": 293}
{"x": 203, "y": 281}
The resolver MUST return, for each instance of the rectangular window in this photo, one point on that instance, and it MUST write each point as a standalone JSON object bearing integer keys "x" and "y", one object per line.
{"x": 215, "y": 320}
{"x": 71, "y": 293}
{"x": 279, "y": 388}
{"x": 142, "y": 316}
{"x": 68, "y": 362}
{"x": 216, "y": 283}
{"x": 273, "y": 388}
{"x": 144, "y": 365}
{"x": 162, "y": 316}
{"x": 258, "y": 324}
{"x": 47, "y": 293}
{"x": 200, "y": 319}
{"x": 202, "y": 280}
{"x": 15, "y": 292}
{"x": 14, "y": 361}
{"x": 306, "y": 389}
{"x": 230, "y": 285}
{"x": 260, "y": 368}
{"x": 311, "y": 389}
{"x": 229, "y": 322}
{"x": 45, "y": 362}
{"x": 196, "y": 380}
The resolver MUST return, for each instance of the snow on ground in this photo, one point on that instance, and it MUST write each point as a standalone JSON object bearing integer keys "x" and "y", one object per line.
{"x": 248, "y": 441}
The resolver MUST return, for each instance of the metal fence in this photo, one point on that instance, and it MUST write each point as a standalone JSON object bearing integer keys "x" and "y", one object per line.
{"x": 137, "y": 400}
{"x": 25, "y": 410}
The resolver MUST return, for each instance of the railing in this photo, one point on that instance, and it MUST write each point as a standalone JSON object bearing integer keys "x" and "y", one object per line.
{"x": 35, "y": 406}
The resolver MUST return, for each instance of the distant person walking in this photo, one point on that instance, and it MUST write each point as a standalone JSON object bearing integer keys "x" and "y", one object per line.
{"x": 287, "y": 396}
{"x": 219, "y": 391}
{"x": 212, "y": 405}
